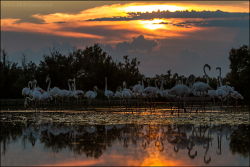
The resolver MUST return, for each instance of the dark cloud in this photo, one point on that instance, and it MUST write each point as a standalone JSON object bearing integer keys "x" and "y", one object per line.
{"x": 176, "y": 14}
{"x": 25, "y": 10}
{"x": 36, "y": 56}
{"x": 211, "y": 23}
{"x": 140, "y": 48}
{"x": 60, "y": 22}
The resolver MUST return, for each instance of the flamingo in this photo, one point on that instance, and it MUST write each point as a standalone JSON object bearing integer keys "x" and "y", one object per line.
{"x": 212, "y": 93}
{"x": 26, "y": 91}
{"x": 77, "y": 93}
{"x": 36, "y": 96}
{"x": 91, "y": 94}
{"x": 126, "y": 94}
{"x": 36, "y": 88}
{"x": 71, "y": 93}
{"x": 64, "y": 93}
{"x": 138, "y": 89}
{"x": 201, "y": 86}
{"x": 152, "y": 91}
{"x": 52, "y": 91}
{"x": 181, "y": 90}
{"x": 237, "y": 96}
{"x": 45, "y": 96}
{"x": 118, "y": 93}
{"x": 227, "y": 88}
{"x": 108, "y": 93}
{"x": 220, "y": 93}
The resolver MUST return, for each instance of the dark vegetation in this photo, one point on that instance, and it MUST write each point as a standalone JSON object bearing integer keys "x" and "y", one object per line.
{"x": 91, "y": 65}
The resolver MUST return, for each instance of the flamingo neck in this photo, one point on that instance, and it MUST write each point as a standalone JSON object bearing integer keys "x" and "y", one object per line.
{"x": 161, "y": 88}
{"x": 218, "y": 83}
{"x": 95, "y": 92}
{"x": 74, "y": 85}
{"x": 182, "y": 79}
{"x": 156, "y": 84}
{"x": 49, "y": 85}
{"x": 142, "y": 82}
{"x": 69, "y": 88}
{"x": 176, "y": 76}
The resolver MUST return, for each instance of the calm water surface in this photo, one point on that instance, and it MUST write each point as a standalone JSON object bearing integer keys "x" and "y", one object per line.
{"x": 38, "y": 141}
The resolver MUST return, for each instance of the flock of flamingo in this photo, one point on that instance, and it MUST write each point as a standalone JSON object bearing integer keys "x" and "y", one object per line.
{"x": 201, "y": 89}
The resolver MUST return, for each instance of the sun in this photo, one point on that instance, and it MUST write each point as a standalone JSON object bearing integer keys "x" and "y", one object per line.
{"x": 152, "y": 24}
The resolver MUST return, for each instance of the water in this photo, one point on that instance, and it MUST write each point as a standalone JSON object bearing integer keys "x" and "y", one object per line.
{"x": 74, "y": 138}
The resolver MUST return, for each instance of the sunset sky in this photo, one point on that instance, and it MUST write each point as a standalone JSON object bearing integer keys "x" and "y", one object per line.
{"x": 163, "y": 35}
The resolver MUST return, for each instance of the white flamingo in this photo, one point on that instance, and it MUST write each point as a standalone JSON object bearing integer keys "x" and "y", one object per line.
{"x": 126, "y": 94}
{"x": 91, "y": 94}
{"x": 226, "y": 88}
{"x": 64, "y": 93}
{"x": 36, "y": 97}
{"x": 152, "y": 92}
{"x": 52, "y": 91}
{"x": 212, "y": 93}
{"x": 236, "y": 95}
{"x": 118, "y": 93}
{"x": 71, "y": 93}
{"x": 220, "y": 93}
{"x": 107, "y": 92}
{"x": 201, "y": 86}
{"x": 26, "y": 91}
{"x": 77, "y": 93}
{"x": 181, "y": 90}
{"x": 34, "y": 83}
{"x": 138, "y": 90}
{"x": 45, "y": 97}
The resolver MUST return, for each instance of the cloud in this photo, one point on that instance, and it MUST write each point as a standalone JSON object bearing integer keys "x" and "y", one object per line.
{"x": 138, "y": 43}
{"x": 36, "y": 56}
{"x": 244, "y": 23}
{"x": 60, "y": 22}
{"x": 177, "y": 14}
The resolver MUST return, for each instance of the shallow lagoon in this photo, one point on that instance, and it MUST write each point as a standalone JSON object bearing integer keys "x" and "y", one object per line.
{"x": 108, "y": 137}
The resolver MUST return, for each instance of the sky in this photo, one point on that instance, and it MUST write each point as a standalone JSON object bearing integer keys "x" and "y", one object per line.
{"x": 181, "y": 36}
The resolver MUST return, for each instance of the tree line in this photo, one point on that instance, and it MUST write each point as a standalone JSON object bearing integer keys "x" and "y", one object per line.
{"x": 91, "y": 65}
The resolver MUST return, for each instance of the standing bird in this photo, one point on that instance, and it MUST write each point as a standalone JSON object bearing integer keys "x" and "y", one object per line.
{"x": 126, "y": 94}
{"x": 26, "y": 91}
{"x": 152, "y": 92}
{"x": 212, "y": 93}
{"x": 181, "y": 90}
{"x": 91, "y": 94}
{"x": 107, "y": 92}
{"x": 64, "y": 93}
{"x": 220, "y": 93}
{"x": 138, "y": 90}
{"x": 36, "y": 97}
{"x": 201, "y": 86}
{"x": 237, "y": 96}
{"x": 118, "y": 93}
{"x": 227, "y": 88}
{"x": 52, "y": 91}
{"x": 77, "y": 93}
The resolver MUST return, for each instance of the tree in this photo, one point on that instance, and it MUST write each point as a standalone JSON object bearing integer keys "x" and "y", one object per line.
{"x": 240, "y": 69}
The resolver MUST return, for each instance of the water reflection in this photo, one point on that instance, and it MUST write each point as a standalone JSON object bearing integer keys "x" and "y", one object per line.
{"x": 147, "y": 142}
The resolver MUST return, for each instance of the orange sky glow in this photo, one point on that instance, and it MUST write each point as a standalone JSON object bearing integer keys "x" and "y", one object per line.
{"x": 149, "y": 27}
